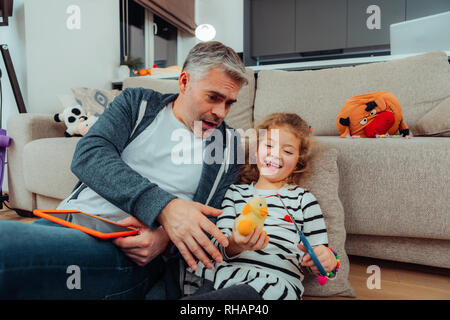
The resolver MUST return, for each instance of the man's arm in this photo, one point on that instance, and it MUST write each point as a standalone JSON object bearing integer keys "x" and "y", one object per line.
{"x": 98, "y": 164}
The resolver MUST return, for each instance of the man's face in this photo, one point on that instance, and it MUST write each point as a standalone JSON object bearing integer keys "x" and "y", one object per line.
{"x": 208, "y": 100}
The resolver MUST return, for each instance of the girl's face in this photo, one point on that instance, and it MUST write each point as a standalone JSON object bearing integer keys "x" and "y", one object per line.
{"x": 277, "y": 155}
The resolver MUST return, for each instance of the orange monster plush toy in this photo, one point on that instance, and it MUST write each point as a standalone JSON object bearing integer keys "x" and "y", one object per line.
{"x": 372, "y": 114}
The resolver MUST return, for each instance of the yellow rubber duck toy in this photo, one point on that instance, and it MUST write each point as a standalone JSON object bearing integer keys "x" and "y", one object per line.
{"x": 253, "y": 215}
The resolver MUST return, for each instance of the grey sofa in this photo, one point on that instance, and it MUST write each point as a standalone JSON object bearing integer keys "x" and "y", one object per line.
{"x": 395, "y": 191}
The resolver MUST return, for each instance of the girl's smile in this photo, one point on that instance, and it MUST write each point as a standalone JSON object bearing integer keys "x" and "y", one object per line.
{"x": 271, "y": 165}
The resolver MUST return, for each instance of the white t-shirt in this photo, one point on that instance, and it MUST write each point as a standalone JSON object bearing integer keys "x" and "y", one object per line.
{"x": 166, "y": 152}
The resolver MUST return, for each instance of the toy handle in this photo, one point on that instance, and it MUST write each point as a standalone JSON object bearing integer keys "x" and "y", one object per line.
{"x": 322, "y": 279}
{"x": 312, "y": 254}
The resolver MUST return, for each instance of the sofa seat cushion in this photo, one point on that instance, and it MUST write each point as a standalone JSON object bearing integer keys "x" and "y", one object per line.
{"x": 46, "y": 164}
{"x": 394, "y": 186}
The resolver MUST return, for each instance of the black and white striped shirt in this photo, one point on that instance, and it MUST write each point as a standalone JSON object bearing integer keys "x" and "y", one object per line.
{"x": 275, "y": 271}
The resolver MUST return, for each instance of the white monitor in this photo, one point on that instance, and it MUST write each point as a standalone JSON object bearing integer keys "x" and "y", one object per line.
{"x": 421, "y": 35}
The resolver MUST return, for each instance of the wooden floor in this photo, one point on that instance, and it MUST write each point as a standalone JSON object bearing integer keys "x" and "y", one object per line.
{"x": 398, "y": 280}
{"x": 6, "y": 214}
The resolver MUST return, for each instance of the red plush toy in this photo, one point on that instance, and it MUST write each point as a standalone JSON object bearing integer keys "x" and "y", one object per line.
{"x": 372, "y": 114}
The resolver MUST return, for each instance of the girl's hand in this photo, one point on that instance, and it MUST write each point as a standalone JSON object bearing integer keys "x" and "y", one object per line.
{"x": 325, "y": 256}
{"x": 257, "y": 240}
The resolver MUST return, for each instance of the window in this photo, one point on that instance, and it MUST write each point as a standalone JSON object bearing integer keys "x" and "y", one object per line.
{"x": 132, "y": 34}
{"x": 146, "y": 39}
{"x": 165, "y": 43}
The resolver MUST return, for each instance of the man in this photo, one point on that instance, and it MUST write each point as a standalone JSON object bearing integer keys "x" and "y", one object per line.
{"x": 126, "y": 171}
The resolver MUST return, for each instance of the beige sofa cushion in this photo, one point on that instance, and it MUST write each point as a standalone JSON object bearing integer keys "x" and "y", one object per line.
{"x": 46, "y": 166}
{"x": 160, "y": 85}
{"x": 323, "y": 182}
{"x": 241, "y": 113}
{"x": 420, "y": 83}
{"x": 94, "y": 101}
{"x": 436, "y": 122}
{"x": 394, "y": 186}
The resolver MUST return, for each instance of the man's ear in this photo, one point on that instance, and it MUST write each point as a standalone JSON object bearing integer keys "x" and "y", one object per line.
{"x": 183, "y": 81}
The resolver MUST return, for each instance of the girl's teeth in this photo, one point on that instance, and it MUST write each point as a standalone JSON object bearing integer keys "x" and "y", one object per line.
{"x": 271, "y": 164}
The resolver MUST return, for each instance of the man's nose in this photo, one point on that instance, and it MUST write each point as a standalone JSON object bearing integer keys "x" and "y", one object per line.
{"x": 219, "y": 110}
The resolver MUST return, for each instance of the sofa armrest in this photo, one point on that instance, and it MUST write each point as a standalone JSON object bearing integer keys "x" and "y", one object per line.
{"x": 22, "y": 129}
{"x": 26, "y": 127}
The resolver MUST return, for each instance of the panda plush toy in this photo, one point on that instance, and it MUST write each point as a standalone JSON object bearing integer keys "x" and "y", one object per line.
{"x": 71, "y": 116}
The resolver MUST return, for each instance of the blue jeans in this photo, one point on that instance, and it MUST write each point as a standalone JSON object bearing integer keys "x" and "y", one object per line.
{"x": 44, "y": 260}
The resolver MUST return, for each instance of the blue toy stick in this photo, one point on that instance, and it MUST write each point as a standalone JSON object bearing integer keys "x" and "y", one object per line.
{"x": 305, "y": 242}
{"x": 322, "y": 279}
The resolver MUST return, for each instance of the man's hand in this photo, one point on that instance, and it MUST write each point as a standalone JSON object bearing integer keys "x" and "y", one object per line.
{"x": 145, "y": 246}
{"x": 185, "y": 223}
{"x": 325, "y": 256}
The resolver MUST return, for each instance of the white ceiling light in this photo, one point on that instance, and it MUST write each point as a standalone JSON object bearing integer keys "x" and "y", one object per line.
{"x": 205, "y": 32}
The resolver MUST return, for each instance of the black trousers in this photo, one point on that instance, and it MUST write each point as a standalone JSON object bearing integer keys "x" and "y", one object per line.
{"x": 236, "y": 292}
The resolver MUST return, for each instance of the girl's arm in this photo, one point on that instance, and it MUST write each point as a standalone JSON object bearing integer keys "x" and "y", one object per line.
{"x": 315, "y": 231}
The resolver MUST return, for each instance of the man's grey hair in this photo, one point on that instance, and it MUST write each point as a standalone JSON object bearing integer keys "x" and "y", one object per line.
{"x": 213, "y": 54}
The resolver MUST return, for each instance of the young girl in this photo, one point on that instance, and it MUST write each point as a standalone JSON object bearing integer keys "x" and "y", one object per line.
{"x": 268, "y": 266}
